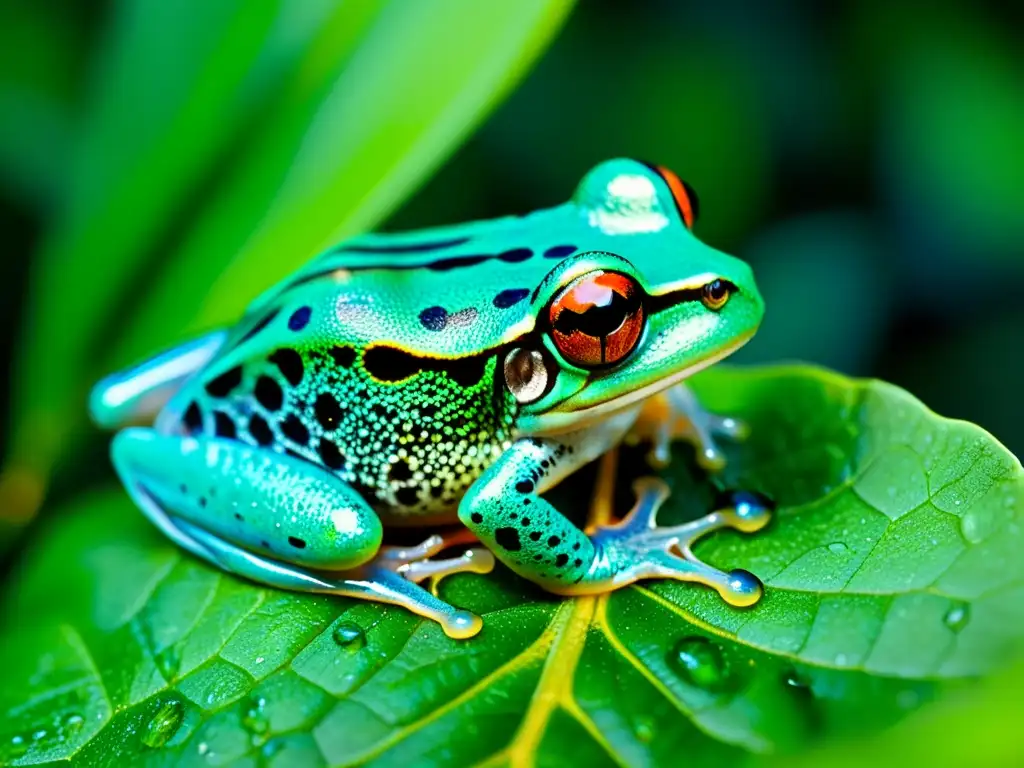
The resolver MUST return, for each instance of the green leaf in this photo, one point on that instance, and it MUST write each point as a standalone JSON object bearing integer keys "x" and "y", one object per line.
{"x": 279, "y": 128}
{"x": 893, "y": 577}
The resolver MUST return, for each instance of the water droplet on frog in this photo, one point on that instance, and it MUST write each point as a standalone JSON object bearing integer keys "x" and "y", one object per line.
{"x": 643, "y": 729}
{"x": 838, "y": 548}
{"x": 164, "y": 723}
{"x": 957, "y": 616}
{"x": 700, "y": 663}
{"x": 255, "y": 719}
{"x": 349, "y": 635}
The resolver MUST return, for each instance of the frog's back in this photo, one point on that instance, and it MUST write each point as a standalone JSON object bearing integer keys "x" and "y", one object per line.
{"x": 379, "y": 360}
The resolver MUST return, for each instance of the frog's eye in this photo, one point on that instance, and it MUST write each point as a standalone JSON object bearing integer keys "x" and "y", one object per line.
{"x": 715, "y": 294}
{"x": 597, "y": 319}
{"x": 682, "y": 195}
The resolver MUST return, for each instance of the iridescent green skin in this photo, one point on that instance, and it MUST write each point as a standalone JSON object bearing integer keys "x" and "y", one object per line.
{"x": 368, "y": 389}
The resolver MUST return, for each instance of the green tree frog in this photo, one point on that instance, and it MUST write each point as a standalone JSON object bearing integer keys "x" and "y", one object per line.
{"x": 450, "y": 374}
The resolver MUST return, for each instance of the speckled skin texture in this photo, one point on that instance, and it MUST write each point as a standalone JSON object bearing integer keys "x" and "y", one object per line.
{"x": 374, "y": 381}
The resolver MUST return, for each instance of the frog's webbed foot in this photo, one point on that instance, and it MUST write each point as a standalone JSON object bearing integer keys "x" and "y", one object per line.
{"x": 636, "y": 548}
{"x": 392, "y": 576}
{"x": 676, "y": 414}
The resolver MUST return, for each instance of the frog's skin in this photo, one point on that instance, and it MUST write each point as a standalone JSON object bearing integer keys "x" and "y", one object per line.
{"x": 460, "y": 371}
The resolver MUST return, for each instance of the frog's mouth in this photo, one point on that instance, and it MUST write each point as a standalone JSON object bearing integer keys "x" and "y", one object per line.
{"x": 562, "y": 419}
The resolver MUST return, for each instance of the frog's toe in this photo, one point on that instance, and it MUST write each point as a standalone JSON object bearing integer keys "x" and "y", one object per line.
{"x": 646, "y": 550}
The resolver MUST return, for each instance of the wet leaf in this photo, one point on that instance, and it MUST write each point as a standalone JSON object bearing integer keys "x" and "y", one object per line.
{"x": 893, "y": 576}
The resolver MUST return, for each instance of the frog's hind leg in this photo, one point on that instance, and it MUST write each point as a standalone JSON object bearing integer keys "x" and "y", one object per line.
{"x": 644, "y": 550}
{"x": 281, "y": 521}
{"x": 141, "y": 391}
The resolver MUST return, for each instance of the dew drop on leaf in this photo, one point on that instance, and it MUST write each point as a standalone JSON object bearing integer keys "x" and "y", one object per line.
{"x": 349, "y": 636}
{"x": 169, "y": 662}
{"x": 643, "y": 729}
{"x": 971, "y": 528}
{"x": 838, "y": 548}
{"x": 957, "y": 616}
{"x": 17, "y": 747}
{"x": 164, "y": 723}
{"x": 255, "y": 720}
{"x": 700, "y": 663}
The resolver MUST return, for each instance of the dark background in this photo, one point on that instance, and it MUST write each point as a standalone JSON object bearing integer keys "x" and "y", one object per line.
{"x": 866, "y": 157}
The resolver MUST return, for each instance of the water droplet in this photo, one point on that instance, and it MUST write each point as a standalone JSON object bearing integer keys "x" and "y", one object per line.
{"x": 840, "y": 659}
{"x": 794, "y": 679}
{"x": 72, "y": 724}
{"x": 255, "y": 719}
{"x": 971, "y": 527}
{"x": 700, "y": 663}
{"x": 164, "y": 723}
{"x": 17, "y": 748}
{"x": 838, "y": 548}
{"x": 349, "y": 636}
{"x": 203, "y": 748}
{"x": 39, "y": 735}
{"x": 957, "y": 616}
{"x": 168, "y": 662}
{"x": 643, "y": 729}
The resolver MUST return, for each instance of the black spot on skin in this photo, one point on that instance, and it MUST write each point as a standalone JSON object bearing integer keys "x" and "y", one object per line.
{"x": 223, "y": 384}
{"x": 202, "y": 502}
{"x": 554, "y": 541}
{"x": 561, "y": 560}
{"x": 193, "y": 418}
{"x": 525, "y": 522}
{"x": 577, "y": 562}
{"x": 535, "y": 536}
{"x": 559, "y": 251}
{"x": 330, "y": 455}
{"x": 437, "y": 491}
{"x": 537, "y": 557}
{"x": 342, "y": 356}
{"x": 527, "y": 502}
{"x": 477, "y": 518}
{"x": 300, "y": 318}
{"x": 327, "y": 410}
{"x": 515, "y": 255}
{"x": 407, "y": 497}
{"x": 576, "y": 546}
{"x": 510, "y": 297}
{"x": 524, "y": 486}
{"x": 296, "y": 542}
{"x": 224, "y": 426}
{"x": 290, "y": 363}
{"x": 265, "y": 544}
{"x": 239, "y": 518}
{"x": 508, "y": 538}
{"x": 390, "y": 364}
{"x": 268, "y": 393}
{"x": 260, "y": 430}
{"x": 293, "y": 428}
{"x": 400, "y": 471}
{"x": 514, "y": 515}
{"x": 434, "y": 318}
{"x": 183, "y": 488}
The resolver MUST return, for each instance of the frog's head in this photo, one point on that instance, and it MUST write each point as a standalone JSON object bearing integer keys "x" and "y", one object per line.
{"x": 647, "y": 307}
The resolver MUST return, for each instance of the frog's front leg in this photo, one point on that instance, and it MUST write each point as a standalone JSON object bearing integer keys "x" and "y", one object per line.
{"x": 676, "y": 414}
{"x": 283, "y": 522}
{"x": 538, "y": 542}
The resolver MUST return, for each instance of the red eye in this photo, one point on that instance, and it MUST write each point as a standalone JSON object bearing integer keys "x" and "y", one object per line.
{"x": 597, "y": 319}
{"x": 682, "y": 195}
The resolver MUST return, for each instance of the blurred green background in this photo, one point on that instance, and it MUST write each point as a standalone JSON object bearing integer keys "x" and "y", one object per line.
{"x": 866, "y": 157}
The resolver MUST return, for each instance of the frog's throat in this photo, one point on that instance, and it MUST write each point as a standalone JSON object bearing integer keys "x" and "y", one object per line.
{"x": 555, "y": 422}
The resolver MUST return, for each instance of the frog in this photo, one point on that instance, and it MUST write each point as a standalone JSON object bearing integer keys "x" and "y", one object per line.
{"x": 452, "y": 374}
